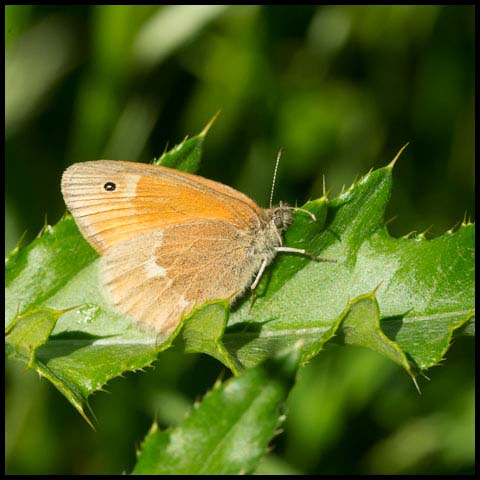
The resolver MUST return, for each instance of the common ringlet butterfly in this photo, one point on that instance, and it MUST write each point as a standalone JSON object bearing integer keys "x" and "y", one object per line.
{"x": 171, "y": 240}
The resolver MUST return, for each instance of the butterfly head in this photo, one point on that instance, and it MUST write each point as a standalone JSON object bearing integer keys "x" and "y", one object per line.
{"x": 281, "y": 216}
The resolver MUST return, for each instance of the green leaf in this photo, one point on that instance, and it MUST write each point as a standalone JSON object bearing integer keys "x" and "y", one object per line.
{"x": 27, "y": 332}
{"x": 229, "y": 431}
{"x": 35, "y": 273}
{"x": 203, "y": 331}
{"x": 357, "y": 328}
{"x": 186, "y": 156}
{"x": 23, "y": 339}
{"x": 402, "y": 297}
{"x": 424, "y": 286}
{"x": 90, "y": 344}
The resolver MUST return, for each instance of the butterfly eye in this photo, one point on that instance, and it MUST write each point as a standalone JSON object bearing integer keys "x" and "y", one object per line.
{"x": 278, "y": 222}
{"x": 109, "y": 187}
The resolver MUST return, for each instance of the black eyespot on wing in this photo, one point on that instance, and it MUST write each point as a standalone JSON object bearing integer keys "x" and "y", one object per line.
{"x": 109, "y": 187}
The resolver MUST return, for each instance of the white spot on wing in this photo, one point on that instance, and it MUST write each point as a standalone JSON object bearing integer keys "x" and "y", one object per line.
{"x": 182, "y": 303}
{"x": 153, "y": 269}
{"x": 131, "y": 186}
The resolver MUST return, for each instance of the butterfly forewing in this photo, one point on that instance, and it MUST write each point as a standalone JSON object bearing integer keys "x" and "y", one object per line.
{"x": 113, "y": 201}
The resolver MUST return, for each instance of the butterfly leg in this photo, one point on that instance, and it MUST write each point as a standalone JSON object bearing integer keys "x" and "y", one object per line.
{"x": 304, "y": 252}
{"x": 291, "y": 250}
{"x": 252, "y": 300}
{"x": 253, "y": 286}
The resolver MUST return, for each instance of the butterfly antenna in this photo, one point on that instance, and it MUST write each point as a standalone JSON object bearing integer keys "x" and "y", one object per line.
{"x": 275, "y": 174}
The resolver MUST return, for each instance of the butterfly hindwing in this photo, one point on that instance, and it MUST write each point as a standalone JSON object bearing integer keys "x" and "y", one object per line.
{"x": 157, "y": 277}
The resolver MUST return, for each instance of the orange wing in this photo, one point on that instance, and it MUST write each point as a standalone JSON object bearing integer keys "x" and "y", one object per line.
{"x": 145, "y": 198}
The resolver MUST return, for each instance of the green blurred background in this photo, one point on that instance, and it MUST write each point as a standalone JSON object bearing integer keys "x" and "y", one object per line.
{"x": 342, "y": 88}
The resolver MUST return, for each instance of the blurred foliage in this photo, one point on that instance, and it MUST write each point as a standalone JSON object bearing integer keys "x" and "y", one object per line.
{"x": 341, "y": 88}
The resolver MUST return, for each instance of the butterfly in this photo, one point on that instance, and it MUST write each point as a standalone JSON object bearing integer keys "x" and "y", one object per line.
{"x": 169, "y": 240}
